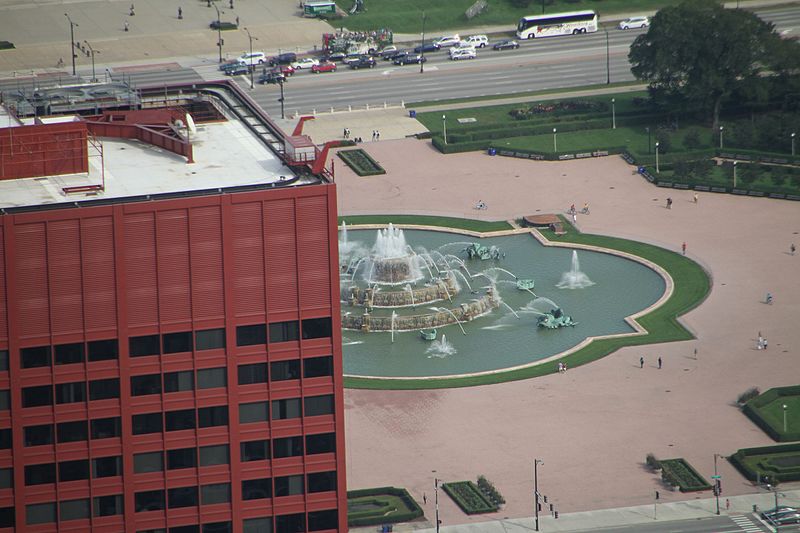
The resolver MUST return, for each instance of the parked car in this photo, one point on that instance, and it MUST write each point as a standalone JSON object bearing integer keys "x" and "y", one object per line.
{"x": 634, "y": 22}
{"x": 781, "y": 509}
{"x": 272, "y": 76}
{"x": 427, "y": 47}
{"x": 283, "y": 59}
{"x": 447, "y": 40}
{"x": 222, "y": 25}
{"x": 478, "y": 41}
{"x": 335, "y": 56}
{"x": 306, "y": 62}
{"x": 786, "y": 520}
{"x": 506, "y": 45}
{"x": 325, "y": 66}
{"x": 256, "y": 58}
{"x": 409, "y": 59}
{"x": 363, "y": 62}
{"x": 391, "y": 56}
{"x": 387, "y": 51}
{"x": 228, "y": 64}
{"x": 236, "y": 69}
{"x": 352, "y": 58}
{"x": 779, "y": 515}
{"x": 463, "y": 53}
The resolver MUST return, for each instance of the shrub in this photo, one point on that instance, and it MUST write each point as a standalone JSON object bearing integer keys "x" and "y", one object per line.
{"x": 652, "y": 462}
{"x": 692, "y": 140}
{"x": 748, "y": 395}
{"x": 377, "y": 497}
{"x": 468, "y": 497}
{"x": 664, "y": 140}
{"x": 679, "y": 472}
{"x": 361, "y": 163}
{"x": 490, "y": 491}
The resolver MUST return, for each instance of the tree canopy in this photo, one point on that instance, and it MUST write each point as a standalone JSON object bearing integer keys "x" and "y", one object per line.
{"x": 702, "y": 52}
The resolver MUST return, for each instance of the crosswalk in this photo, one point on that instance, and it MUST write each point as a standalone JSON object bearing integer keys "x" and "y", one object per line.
{"x": 750, "y": 524}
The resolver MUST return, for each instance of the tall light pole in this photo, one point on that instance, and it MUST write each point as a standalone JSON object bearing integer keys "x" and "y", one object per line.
{"x": 281, "y": 99}
{"x": 72, "y": 26}
{"x": 657, "y": 169}
{"x": 219, "y": 33}
{"x": 721, "y": 129}
{"x": 536, "y": 492}
{"x": 92, "y": 51}
{"x": 716, "y": 481}
{"x": 444, "y": 127}
{"x": 608, "y": 61}
{"x": 250, "y": 65}
{"x": 555, "y": 142}
{"x": 792, "y": 144}
{"x": 784, "y": 418}
{"x": 422, "y": 50}
{"x": 734, "y": 174}
{"x": 613, "y": 114}
{"x": 436, "y": 499}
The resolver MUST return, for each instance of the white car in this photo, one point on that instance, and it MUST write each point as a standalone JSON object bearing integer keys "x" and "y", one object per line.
{"x": 447, "y": 40}
{"x": 478, "y": 41}
{"x": 306, "y": 62}
{"x": 463, "y": 53}
{"x": 634, "y": 22}
{"x": 254, "y": 59}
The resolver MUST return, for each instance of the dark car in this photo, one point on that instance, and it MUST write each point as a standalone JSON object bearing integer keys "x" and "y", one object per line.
{"x": 272, "y": 76}
{"x": 283, "y": 59}
{"x": 222, "y": 25}
{"x": 506, "y": 45}
{"x": 363, "y": 62}
{"x": 427, "y": 47}
{"x": 335, "y": 56}
{"x": 409, "y": 59}
{"x": 235, "y": 69}
{"x": 392, "y": 54}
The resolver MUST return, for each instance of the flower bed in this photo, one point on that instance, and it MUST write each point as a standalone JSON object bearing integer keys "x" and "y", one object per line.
{"x": 468, "y": 497}
{"x": 361, "y": 163}
{"x": 679, "y": 472}
{"x": 776, "y": 463}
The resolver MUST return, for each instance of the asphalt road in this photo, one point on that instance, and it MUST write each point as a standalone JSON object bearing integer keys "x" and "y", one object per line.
{"x": 717, "y": 524}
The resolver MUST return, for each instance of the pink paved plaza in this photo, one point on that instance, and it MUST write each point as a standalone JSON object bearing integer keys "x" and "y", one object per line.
{"x": 593, "y": 425}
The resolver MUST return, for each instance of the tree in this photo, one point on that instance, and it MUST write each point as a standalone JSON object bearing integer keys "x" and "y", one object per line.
{"x": 700, "y": 52}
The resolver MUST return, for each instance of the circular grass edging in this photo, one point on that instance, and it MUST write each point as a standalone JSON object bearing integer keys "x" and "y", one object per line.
{"x": 690, "y": 286}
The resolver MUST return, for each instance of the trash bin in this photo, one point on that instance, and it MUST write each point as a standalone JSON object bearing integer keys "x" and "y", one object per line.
{"x": 412, "y": 113}
{"x": 492, "y": 151}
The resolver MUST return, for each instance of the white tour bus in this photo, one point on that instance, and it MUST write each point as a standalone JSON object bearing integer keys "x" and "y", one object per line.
{"x": 557, "y": 24}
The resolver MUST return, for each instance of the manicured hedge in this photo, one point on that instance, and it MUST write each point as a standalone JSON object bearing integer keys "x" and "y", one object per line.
{"x": 679, "y": 472}
{"x": 753, "y": 411}
{"x": 468, "y": 497}
{"x": 757, "y": 469}
{"x": 361, "y": 162}
{"x": 371, "y": 518}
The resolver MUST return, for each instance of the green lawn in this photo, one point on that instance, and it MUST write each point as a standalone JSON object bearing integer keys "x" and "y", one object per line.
{"x": 406, "y": 16}
{"x": 772, "y": 463}
{"x": 458, "y": 223}
{"x": 383, "y": 505}
{"x": 773, "y": 413}
{"x": 692, "y": 285}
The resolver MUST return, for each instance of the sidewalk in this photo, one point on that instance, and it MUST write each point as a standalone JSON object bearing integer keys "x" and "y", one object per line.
{"x": 593, "y": 520}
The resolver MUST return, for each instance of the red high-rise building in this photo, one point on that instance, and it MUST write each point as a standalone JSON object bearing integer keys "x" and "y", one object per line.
{"x": 171, "y": 361}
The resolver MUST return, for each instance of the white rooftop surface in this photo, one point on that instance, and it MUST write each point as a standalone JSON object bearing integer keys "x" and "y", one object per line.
{"x": 226, "y": 154}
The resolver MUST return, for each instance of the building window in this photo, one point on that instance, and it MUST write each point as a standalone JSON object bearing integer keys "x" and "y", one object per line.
{"x": 74, "y": 509}
{"x": 7, "y": 517}
{"x": 147, "y": 423}
{"x": 284, "y": 331}
{"x": 148, "y": 462}
{"x": 317, "y": 328}
{"x": 287, "y": 447}
{"x": 72, "y": 431}
{"x": 293, "y": 523}
{"x": 106, "y": 428}
{"x": 322, "y": 481}
{"x": 322, "y": 520}
{"x": 3, "y": 360}
{"x": 74, "y": 392}
{"x": 212, "y": 416}
{"x": 210, "y": 339}
{"x": 257, "y": 525}
{"x": 144, "y": 345}
{"x": 183, "y": 458}
{"x": 256, "y": 489}
{"x": 150, "y": 500}
{"x": 185, "y": 529}
{"x": 103, "y": 350}
{"x": 251, "y": 335}
{"x": 320, "y": 443}
{"x": 40, "y": 513}
{"x": 218, "y": 454}
{"x": 289, "y": 485}
{"x": 104, "y": 389}
{"x": 35, "y": 357}
{"x": 318, "y": 405}
{"x": 179, "y": 381}
{"x": 255, "y": 373}
{"x": 147, "y": 384}
{"x": 285, "y": 409}
{"x": 107, "y": 466}
{"x": 180, "y": 420}
{"x": 6, "y": 478}
{"x": 67, "y": 354}
{"x": 108, "y": 505}
{"x": 177, "y": 342}
{"x": 5, "y": 400}
{"x": 315, "y": 367}
{"x": 73, "y": 470}
{"x": 218, "y": 527}
{"x": 252, "y": 412}
{"x": 5, "y": 439}
{"x": 40, "y": 474}
{"x": 283, "y": 370}
{"x": 182, "y": 497}
{"x": 211, "y": 378}
{"x": 37, "y": 396}
{"x": 255, "y": 450}
{"x": 215, "y": 493}
{"x": 39, "y": 435}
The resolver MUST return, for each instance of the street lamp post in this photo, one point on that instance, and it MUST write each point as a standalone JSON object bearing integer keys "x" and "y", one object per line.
{"x": 613, "y": 114}
{"x": 784, "y": 418}
{"x": 657, "y": 169}
{"x": 444, "y": 128}
{"x": 72, "y": 26}
{"x": 734, "y": 174}
{"x": 608, "y": 61}
{"x": 250, "y": 65}
{"x": 792, "y": 144}
{"x": 219, "y": 33}
{"x": 555, "y": 142}
{"x": 716, "y": 481}
{"x": 422, "y": 50}
{"x": 92, "y": 51}
{"x": 436, "y": 500}
{"x": 536, "y": 463}
{"x": 281, "y": 99}
{"x": 721, "y": 128}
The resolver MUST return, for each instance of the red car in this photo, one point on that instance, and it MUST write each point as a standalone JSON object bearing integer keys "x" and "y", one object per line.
{"x": 286, "y": 70}
{"x": 323, "y": 67}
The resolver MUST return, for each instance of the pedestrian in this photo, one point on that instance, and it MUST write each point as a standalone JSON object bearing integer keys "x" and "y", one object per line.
{"x": 231, "y": 4}
{"x": 60, "y": 62}
{"x": 585, "y": 209}
{"x": 572, "y": 209}
{"x": 565, "y": 368}
{"x": 695, "y": 354}
{"x": 132, "y": 12}
{"x": 237, "y": 18}
{"x": 760, "y": 341}
{"x": 373, "y": 135}
{"x": 792, "y": 249}
{"x": 683, "y": 247}
{"x": 727, "y": 504}
{"x": 669, "y": 203}
{"x": 695, "y": 197}
{"x": 574, "y": 219}
{"x": 208, "y": 3}
{"x": 424, "y": 499}
{"x": 180, "y": 13}
{"x": 560, "y": 367}
{"x": 126, "y": 25}
{"x": 659, "y": 362}
{"x": 765, "y": 343}
{"x": 641, "y": 362}
{"x": 377, "y": 135}
{"x": 768, "y": 299}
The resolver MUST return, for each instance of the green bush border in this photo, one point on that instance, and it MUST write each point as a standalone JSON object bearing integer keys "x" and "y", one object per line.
{"x": 691, "y": 286}
{"x": 478, "y": 504}
{"x": 740, "y": 461}
{"x": 349, "y": 157}
{"x": 679, "y": 472}
{"x": 753, "y": 411}
{"x": 364, "y": 519}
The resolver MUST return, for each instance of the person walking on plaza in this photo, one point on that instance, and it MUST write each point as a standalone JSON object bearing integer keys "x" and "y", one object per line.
{"x": 659, "y": 362}
{"x": 683, "y": 247}
{"x": 180, "y": 13}
{"x": 377, "y": 135}
{"x": 126, "y": 25}
{"x": 792, "y": 249}
{"x": 132, "y": 12}
{"x": 695, "y": 197}
{"x": 585, "y": 209}
{"x": 669, "y": 203}
{"x": 641, "y": 362}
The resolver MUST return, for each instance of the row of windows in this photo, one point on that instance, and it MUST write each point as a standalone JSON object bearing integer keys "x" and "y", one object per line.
{"x": 73, "y": 470}
{"x": 99, "y": 389}
{"x": 79, "y": 430}
{"x": 168, "y": 343}
{"x": 45, "y": 513}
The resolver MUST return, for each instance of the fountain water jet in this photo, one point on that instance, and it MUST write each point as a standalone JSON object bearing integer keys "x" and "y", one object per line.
{"x": 574, "y": 279}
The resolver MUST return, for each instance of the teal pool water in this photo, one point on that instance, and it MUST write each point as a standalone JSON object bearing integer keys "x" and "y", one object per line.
{"x": 501, "y": 340}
